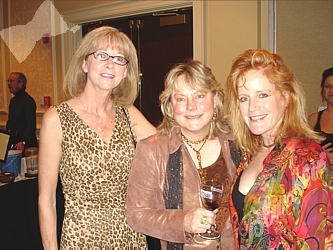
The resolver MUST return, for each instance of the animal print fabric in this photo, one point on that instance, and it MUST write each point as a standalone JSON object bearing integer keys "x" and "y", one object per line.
{"x": 94, "y": 177}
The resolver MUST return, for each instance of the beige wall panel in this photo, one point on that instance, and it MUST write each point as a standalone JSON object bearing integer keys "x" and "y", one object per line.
{"x": 232, "y": 27}
{"x": 304, "y": 38}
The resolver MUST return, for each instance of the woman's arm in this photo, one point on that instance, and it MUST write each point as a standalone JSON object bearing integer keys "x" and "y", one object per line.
{"x": 141, "y": 126}
{"x": 48, "y": 168}
{"x": 312, "y": 202}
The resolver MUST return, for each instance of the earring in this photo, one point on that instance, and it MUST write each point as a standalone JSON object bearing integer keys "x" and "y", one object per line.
{"x": 214, "y": 116}
{"x": 174, "y": 121}
{"x": 285, "y": 113}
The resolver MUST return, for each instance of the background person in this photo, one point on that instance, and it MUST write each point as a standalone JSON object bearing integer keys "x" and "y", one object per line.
{"x": 280, "y": 198}
{"x": 163, "y": 197}
{"x": 323, "y": 121}
{"x": 89, "y": 139}
{"x": 21, "y": 122}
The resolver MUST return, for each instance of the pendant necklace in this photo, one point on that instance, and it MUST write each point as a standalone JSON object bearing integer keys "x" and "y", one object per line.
{"x": 99, "y": 128}
{"x": 85, "y": 109}
{"x": 189, "y": 143}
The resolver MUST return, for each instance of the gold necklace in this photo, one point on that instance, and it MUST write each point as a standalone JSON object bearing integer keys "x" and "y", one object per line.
{"x": 267, "y": 146}
{"x": 203, "y": 141}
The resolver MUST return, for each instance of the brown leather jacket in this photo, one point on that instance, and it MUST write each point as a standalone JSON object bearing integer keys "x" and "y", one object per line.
{"x": 146, "y": 212}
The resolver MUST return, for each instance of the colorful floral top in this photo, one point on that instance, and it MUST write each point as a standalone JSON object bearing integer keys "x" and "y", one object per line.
{"x": 289, "y": 206}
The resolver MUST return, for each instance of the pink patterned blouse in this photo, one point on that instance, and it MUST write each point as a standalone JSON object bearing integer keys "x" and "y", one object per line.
{"x": 290, "y": 205}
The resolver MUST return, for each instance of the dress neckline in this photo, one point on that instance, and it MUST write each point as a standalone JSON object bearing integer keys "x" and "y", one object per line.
{"x": 88, "y": 127}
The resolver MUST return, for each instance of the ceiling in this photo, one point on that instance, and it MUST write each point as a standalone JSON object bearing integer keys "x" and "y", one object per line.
{"x": 69, "y": 5}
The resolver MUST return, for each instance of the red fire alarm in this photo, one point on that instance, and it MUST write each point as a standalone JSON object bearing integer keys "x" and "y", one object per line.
{"x": 46, "y": 38}
{"x": 47, "y": 101}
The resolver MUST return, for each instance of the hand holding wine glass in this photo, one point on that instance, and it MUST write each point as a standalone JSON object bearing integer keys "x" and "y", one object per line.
{"x": 211, "y": 195}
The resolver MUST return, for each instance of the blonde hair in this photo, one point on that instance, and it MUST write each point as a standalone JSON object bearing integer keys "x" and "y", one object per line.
{"x": 199, "y": 77}
{"x": 75, "y": 80}
{"x": 272, "y": 66}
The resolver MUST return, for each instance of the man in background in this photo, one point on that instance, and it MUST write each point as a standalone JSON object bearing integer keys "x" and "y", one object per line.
{"x": 21, "y": 122}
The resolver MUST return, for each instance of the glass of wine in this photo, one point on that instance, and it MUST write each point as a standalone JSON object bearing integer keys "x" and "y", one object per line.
{"x": 211, "y": 195}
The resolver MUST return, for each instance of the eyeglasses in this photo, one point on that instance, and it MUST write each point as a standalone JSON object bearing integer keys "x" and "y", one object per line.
{"x": 102, "y": 56}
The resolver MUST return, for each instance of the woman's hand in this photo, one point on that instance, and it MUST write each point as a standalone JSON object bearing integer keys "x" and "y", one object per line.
{"x": 198, "y": 220}
{"x": 329, "y": 153}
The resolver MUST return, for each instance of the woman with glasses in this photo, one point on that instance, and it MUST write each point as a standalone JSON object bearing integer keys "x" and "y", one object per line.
{"x": 89, "y": 140}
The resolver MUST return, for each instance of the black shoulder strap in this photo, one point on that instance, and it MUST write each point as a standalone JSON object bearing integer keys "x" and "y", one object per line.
{"x": 317, "y": 126}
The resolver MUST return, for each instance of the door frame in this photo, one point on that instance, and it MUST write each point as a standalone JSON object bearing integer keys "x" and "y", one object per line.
{"x": 125, "y": 8}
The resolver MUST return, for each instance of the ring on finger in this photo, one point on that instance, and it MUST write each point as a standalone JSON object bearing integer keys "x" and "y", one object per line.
{"x": 204, "y": 220}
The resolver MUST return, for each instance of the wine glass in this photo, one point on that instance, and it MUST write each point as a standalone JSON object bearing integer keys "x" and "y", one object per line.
{"x": 211, "y": 195}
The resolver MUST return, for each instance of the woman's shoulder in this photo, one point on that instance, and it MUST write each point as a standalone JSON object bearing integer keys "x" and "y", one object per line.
{"x": 314, "y": 114}
{"x": 157, "y": 145}
{"x": 154, "y": 139}
{"x": 60, "y": 108}
{"x": 313, "y": 119}
{"x": 55, "y": 112}
{"x": 305, "y": 149}
{"x": 51, "y": 113}
{"x": 303, "y": 142}
{"x": 51, "y": 119}
{"x": 305, "y": 158}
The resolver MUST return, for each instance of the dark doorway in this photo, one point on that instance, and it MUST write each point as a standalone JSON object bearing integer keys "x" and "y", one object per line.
{"x": 159, "y": 48}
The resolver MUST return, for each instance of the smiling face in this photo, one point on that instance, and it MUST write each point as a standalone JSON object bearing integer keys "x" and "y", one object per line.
{"x": 193, "y": 110}
{"x": 261, "y": 105}
{"x": 105, "y": 75}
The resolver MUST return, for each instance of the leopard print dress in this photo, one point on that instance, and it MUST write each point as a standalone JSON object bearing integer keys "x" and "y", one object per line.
{"x": 94, "y": 177}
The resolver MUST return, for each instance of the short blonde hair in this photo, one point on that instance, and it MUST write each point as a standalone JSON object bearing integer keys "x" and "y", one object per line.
{"x": 199, "y": 77}
{"x": 75, "y": 80}
{"x": 295, "y": 122}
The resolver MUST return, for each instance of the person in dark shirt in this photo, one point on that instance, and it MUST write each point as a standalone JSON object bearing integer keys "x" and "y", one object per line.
{"x": 322, "y": 121}
{"x": 21, "y": 122}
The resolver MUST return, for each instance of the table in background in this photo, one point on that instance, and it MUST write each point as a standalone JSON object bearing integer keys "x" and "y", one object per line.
{"x": 19, "y": 227}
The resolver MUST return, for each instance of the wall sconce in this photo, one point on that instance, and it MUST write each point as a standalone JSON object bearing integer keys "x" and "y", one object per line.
{"x": 46, "y": 38}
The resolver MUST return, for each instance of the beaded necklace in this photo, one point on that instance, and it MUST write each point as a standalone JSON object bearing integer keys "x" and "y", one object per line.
{"x": 189, "y": 143}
